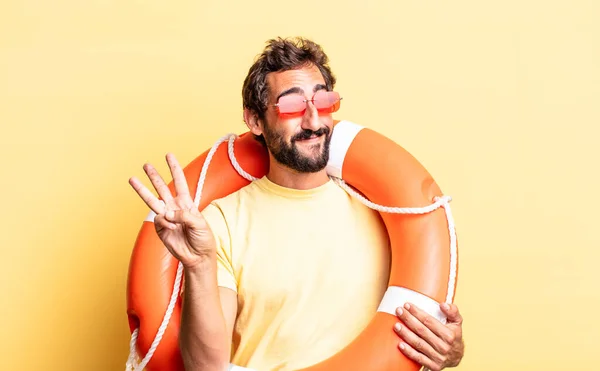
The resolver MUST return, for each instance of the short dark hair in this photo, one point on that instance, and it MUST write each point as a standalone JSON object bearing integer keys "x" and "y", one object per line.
{"x": 281, "y": 54}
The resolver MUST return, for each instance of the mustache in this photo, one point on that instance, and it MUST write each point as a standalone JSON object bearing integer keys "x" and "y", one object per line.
{"x": 307, "y": 133}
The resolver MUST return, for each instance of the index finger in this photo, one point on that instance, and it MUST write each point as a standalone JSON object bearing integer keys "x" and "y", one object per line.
{"x": 181, "y": 187}
{"x": 432, "y": 323}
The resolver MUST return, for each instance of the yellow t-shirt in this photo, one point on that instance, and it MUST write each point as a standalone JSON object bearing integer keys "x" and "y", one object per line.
{"x": 309, "y": 267}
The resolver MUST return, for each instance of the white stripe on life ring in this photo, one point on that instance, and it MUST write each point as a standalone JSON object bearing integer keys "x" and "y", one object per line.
{"x": 150, "y": 217}
{"x": 343, "y": 135}
{"x": 233, "y": 367}
{"x": 397, "y": 296}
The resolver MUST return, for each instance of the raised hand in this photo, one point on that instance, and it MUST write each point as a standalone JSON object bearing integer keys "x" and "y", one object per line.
{"x": 178, "y": 222}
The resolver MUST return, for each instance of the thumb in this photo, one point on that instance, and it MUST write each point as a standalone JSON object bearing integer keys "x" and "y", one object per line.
{"x": 452, "y": 313}
{"x": 187, "y": 217}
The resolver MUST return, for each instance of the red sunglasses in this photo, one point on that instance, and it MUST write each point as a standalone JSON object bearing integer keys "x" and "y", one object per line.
{"x": 325, "y": 102}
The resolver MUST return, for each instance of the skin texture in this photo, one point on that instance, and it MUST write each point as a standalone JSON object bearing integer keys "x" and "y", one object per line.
{"x": 281, "y": 133}
{"x": 426, "y": 340}
{"x": 298, "y": 153}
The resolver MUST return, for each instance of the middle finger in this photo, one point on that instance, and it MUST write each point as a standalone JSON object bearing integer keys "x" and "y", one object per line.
{"x": 420, "y": 345}
{"x": 441, "y": 332}
{"x": 158, "y": 183}
{"x": 419, "y": 328}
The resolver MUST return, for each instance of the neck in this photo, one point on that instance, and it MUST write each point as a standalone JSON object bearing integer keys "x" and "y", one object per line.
{"x": 289, "y": 178}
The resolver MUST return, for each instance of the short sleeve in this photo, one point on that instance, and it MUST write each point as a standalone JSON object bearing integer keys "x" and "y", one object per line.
{"x": 218, "y": 224}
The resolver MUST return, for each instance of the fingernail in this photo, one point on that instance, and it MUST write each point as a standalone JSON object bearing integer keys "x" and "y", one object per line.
{"x": 402, "y": 346}
{"x": 398, "y": 327}
{"x": 407, "y": 306}
{"x": 445, "y": 306}
{"x": 400, "y": 311}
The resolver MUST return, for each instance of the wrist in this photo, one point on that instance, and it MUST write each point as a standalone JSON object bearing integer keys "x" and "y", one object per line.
{"x": 204, "y": 264}
{"x": 200, "y": 278}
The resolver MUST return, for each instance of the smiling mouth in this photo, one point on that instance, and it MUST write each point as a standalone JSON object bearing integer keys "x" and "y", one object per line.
{"x": 312, "y": 138}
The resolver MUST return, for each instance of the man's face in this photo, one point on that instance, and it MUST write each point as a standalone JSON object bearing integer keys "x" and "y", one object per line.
{"x": 300, "y": 142}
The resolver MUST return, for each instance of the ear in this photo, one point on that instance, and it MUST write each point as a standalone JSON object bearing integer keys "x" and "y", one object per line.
{"x": 252, "y": 121}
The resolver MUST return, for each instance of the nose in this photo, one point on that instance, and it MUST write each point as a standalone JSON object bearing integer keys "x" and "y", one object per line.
{"x": 310, "y": 120}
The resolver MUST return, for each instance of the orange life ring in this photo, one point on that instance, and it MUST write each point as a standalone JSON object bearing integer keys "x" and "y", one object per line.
{"x": 423, "y": 242}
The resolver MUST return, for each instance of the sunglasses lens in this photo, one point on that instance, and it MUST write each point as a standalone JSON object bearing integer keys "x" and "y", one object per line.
{"x": 327, "y": 101}
{"x": 291, "y": 104}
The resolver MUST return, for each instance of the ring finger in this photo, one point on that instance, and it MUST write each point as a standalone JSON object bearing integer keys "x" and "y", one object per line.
{"x": 158, "y": 183}
{"x": 418, "y": 357}
{"x": 418, "y": 344}
{"x": 148, "y": 197}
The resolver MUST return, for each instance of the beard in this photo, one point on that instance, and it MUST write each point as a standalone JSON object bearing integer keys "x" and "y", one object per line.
{"x": 288, "y": 154}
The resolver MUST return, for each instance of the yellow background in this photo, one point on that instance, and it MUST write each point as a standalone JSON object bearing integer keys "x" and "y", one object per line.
{"x": 499, "y": 100}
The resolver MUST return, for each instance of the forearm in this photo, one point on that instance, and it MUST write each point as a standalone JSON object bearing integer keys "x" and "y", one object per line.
{"x": 204, "y": 342}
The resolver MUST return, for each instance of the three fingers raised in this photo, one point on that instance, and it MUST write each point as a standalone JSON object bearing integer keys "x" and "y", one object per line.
{"x": 181, "y": 187}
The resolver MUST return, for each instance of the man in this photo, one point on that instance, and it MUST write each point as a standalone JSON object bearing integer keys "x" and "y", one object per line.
{"x": 290, "y": 269}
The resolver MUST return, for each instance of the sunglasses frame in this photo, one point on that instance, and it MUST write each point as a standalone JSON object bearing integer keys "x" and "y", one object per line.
{"x": 326, "y": 110}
